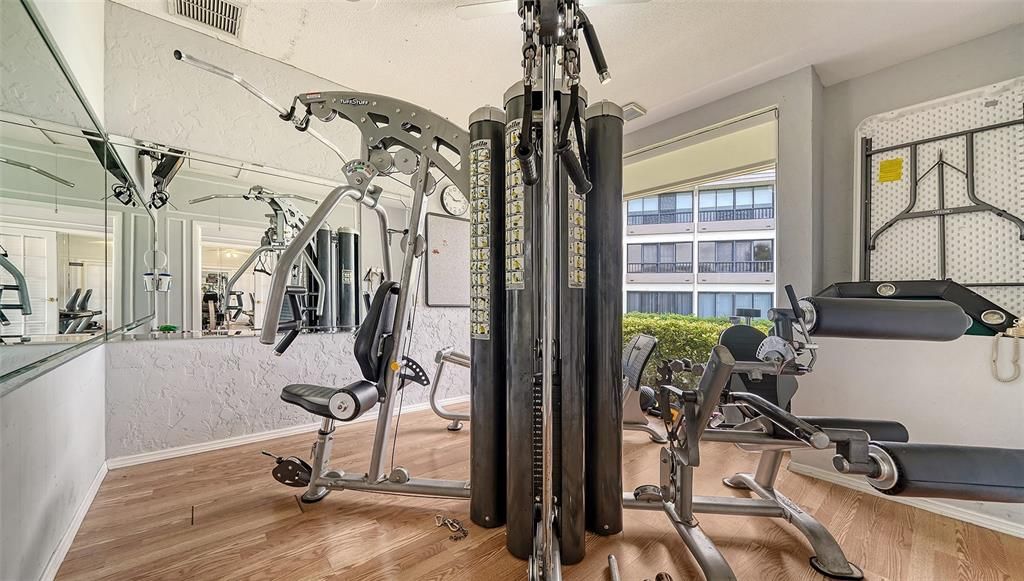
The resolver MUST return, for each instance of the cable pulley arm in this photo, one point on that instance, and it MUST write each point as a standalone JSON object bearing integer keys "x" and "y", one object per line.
{"x": 281, "y": 111}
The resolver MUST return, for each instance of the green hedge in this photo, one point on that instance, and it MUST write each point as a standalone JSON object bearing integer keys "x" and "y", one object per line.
{"x": 678, "y": 336}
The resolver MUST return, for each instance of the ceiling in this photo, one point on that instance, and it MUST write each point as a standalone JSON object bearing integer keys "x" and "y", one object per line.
{"x": 668, "y": 55}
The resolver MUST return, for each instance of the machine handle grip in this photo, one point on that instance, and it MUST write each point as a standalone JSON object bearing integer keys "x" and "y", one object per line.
{"x": 573, "y": 168}
{"x": 794, "y": 303}
{"x": 285, "y": 342}
{"x": 527, "y": 157}
{"x": 925, "y": 320}
{"x": 596, "y": 54}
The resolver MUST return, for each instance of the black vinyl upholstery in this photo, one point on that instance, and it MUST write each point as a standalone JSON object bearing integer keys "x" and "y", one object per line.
{"x": 367, "y": 350}
{"x": 920, "y": 320}
{"x": 315, "y": 399}
{"x": 370, "y": 336}
{"x": 961, "y": 472}
{"x": 742, "y": 341}
{"x": 635, "y": 356}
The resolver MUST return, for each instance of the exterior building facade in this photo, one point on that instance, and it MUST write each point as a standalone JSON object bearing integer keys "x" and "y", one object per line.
{"x": 706, "y": 250}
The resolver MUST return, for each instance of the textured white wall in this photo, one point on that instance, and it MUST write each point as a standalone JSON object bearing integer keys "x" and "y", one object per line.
{"x": 165, "y": 394}
{"x": 153, "y": 97}
{"x": 33, "y": 84}
{"x": 943, "y": 393}
{"x": 77, "y": 28}
{"x": 51, "y": 450}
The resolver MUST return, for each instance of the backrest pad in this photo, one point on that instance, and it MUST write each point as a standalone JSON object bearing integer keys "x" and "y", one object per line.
{"x": 379, "y": 321}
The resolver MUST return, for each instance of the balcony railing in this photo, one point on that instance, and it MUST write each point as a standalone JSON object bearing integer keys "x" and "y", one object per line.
{"x": 756, "y": 266}
{"x": 670, "y": 267}
{"x": 737, "y": 214}
{"x": 677, "y": 217}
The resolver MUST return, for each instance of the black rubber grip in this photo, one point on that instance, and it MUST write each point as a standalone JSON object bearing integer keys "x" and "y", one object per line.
{"x": 961, "y": 472}
{"x": 574, "y": 169}
{"x": 888, "y": 319}
{"x": 527, "y": 157}
{"x": 286, "y": 342}
{"x": 590, "y": 35}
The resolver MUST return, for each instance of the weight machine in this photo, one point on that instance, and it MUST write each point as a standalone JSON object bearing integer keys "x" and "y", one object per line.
{"x": 741, "y": 374}
{"x": 544, "y": 178}
{"x": 327, "y": 265}
{"x": 22, "y": 304}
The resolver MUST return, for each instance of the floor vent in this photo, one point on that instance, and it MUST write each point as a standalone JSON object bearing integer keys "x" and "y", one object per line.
{"x": 217, "y": 14}
{"x": 632, "y": 110}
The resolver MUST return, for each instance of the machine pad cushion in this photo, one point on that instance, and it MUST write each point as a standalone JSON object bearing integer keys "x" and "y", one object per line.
{"x": 316, "y": 399}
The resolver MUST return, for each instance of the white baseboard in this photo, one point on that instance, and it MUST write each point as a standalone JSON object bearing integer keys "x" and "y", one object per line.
{"x": 57, "y": 557}
{"x": 930, "y": 504}
{"x": 167, "y": 453}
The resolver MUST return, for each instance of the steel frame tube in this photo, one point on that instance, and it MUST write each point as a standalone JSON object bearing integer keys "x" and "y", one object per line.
{"x": 242, "y": 270}
{"x": 385, "y": 239}
{"x": 828, "y": 554}
{"x": 447, "y": 355}
{"x": 548, "y": 300}
{"x": 413, "y": 487}
{"x": 724, "y": 505}
{"x": 399, "y": 336}
{"x": 710, "y": 560}
{"x": 321, "y": 456}
{"x": 315, "y": 273}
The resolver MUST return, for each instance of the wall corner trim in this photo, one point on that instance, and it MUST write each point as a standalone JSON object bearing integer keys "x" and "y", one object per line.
{"x": 57, "y": 557}
{"x": 933, "y": 505}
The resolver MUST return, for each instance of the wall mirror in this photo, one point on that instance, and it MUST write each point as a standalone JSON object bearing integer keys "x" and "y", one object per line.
{"x": 62, "y": 255}
{"x": 221, "y": 225}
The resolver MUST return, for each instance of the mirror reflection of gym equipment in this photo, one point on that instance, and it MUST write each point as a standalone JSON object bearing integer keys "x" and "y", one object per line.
{"x": 525, "y": 333}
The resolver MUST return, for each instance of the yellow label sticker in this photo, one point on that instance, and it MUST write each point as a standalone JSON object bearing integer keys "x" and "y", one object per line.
{"x": 890, "y": 170}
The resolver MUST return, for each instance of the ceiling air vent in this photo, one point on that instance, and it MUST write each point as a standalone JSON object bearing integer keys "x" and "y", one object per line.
{"x": 218, "y": 14}
{"x": 632, "y": 110}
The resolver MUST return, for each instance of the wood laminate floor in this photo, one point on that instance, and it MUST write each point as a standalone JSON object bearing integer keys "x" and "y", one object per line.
{"x": 220, "y": 515}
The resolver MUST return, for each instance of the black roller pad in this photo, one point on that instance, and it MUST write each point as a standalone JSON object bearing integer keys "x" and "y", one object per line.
{"x": 888, "y": 319}
{"x": 883, "y": 430}
{"x": 960, "y": 472}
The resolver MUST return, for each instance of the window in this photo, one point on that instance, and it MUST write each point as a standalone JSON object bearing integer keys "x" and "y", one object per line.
{"x": 744, "y": 198}
{"x": 763, "y": 250}
{"x": 659, "y": 257}
{"x": 764, "y": 197}
{"x": 650, "y": 205}
{"x": 725, "y": 304}
{"x": 669, "y": 208}
{"x": 680, "y": 303}
{"x": 754, "y": 203}
{"x": 736, "y": 256}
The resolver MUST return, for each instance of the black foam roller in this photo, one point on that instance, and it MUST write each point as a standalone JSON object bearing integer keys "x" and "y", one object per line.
{"x": 925, "y": 320}
{"x": 960, "y": 472}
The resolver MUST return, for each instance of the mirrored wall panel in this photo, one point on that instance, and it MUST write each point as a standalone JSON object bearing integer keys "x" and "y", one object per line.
{"x": 62, "y": 266}
{"x": 222, "y": 223}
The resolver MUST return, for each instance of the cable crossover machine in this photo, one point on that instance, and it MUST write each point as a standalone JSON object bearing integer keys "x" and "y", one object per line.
{"x": 544, "y": 179}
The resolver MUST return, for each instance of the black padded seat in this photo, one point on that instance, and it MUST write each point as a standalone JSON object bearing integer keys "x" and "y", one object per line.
{"x": 371, "y": 342}
{"x": 316, "y": 399}
{"x": 882, "y": 430}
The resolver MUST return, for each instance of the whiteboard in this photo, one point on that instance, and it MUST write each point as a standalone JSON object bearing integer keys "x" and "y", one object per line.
{"x": 447, "y": 261}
